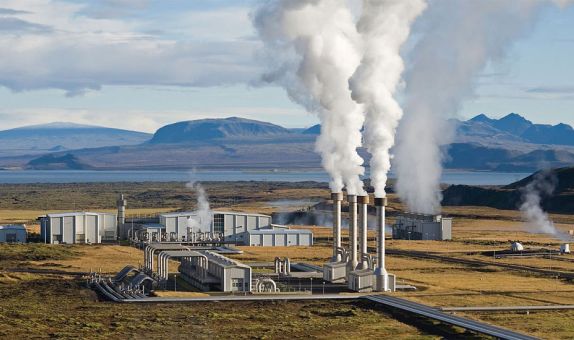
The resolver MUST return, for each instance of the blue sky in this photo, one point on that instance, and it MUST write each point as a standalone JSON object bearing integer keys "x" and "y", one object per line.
{"x": 140, "y": 64}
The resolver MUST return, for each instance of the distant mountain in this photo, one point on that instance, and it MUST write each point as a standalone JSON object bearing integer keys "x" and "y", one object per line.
{"x": 41, "y": 139}
{"x": 513, "y": 128}
{"x": 313, "y": 130}
{"x": 210, "y": 129}
{"x": 510, "y": 196}
{"x": 482, "y": 143}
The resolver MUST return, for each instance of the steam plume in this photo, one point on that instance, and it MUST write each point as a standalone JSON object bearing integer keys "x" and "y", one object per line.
{"x": 311, "y": 46}
{"x": 384, "y": 26}
{"x": 460, "y": 38}
{"x": 202, "y": 220}
{"x": 543, "y": 185}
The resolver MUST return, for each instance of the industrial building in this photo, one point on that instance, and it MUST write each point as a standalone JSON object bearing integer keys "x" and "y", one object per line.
{"x": 223, "y": 227}
{"x": 217, "y": 273}
{"x": 13, "y": 234}
{"x": 422, "y": 227}
{"x": 78, "y": 227}
{"x": 232, "y": 225}
{"x": 279, "y": 237}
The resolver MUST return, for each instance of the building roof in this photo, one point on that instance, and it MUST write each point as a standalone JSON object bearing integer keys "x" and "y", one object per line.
{"x": 239, "y": 213}
{"x": 12, "y": 227}
{"x": 179, "y": 214}
{"x": 153, "y": 226}
{"x": 280, "y": 232}
{"x": 77, "y": 213}
{"x": 194, "y": 213}
{"x": 222, "y": 261}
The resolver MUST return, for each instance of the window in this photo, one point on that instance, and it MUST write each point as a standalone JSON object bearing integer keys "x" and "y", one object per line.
{"x": 218, "y": 223}
{"x": 11, "y": 238}
{"x": 237, "y": 284}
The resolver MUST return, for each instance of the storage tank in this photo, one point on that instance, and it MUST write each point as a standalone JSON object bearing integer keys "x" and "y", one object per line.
{"x": 565, "y": 248}
{"x": 516, "y": 247}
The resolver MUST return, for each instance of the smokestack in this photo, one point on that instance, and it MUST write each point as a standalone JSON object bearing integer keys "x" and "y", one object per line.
{"x": 381, "y": 275}
{"x": 337, "y": 197}
{"x": 363, "y": 218}
{"x": 121, "y": 203}
{"x": 352, "y": 265}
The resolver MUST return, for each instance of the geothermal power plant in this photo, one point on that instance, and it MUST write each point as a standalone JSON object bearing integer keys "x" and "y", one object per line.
{"x": 362, "y": 271}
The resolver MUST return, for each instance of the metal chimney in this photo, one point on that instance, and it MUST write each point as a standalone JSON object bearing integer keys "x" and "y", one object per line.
{"x": 121, "y": 203}
{"x": 363, "y": 223}
{"x": 381, "y": 275}
{"x": 337, "y": 197}
{"x": 352, "y": 264}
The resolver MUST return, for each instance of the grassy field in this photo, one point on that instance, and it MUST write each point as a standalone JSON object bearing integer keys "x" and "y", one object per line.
{"x": 66, "y": 309}
{"x": 56, "y": 306}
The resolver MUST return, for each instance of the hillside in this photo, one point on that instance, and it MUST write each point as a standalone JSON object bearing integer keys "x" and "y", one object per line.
{"x": 510, "y": 196}
{"x": 212, "y": 129}
{"x": 482, "y": 143}
{"x": 42, "y": 139}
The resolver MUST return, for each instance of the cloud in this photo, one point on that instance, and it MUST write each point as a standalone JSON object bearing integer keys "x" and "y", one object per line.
{"x": 9, "y": 11}
{"x": 568, "y": 89}
{"x": 115, "y": 8}
{"x": 15, "y": 25}
{"x": 59, "y": 47}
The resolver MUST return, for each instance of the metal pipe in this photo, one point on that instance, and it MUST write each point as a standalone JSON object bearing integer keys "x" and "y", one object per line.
{"x": 353, "y": 261}
{"x": 337, "y": 197}
{"x": 381, "y": 274}
{"x": 363, "y": 218}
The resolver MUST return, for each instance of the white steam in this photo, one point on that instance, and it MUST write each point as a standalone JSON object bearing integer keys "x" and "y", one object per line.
{"x": 543, "y": 185}
{"x": 459, "y": 38}
{"x": 384, "y": 26}
{"x": 311, "y": 46}
{"x": 202, "y": 220}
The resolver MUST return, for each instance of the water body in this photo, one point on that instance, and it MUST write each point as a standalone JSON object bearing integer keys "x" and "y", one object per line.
{"x": 84, "y": 176}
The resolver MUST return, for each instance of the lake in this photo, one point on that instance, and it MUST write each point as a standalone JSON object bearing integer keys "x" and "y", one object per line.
{"x": 85, "y": 176}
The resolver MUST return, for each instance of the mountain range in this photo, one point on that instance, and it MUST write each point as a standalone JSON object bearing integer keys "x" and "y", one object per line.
{"x": 53, "y": 137}
{"x": 511, "y": 143}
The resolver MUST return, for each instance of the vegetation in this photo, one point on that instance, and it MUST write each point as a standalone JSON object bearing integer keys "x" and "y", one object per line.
{"x": 39, "y": 300}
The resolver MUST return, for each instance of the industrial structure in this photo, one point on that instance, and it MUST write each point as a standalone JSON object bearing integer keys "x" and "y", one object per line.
{"x": 204, "y": 269}
{"x": 213, "y": 271}
{"x": 232, "y": 225}
{"x": 78, "y": 227}
{"x": 279, "y": 237}
{"x": 422, "y": 227}
{"x": 13, "y": 234}
{"x": 355, "y": 265}
{"x": 219, "y": 227}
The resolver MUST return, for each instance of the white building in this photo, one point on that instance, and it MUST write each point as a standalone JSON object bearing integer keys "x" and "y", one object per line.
{"x": 13, "y": 234}
{"x": 232, "y": 225}
{"x": 78, "y": 227}
{"x": 222, "y": 273}
{"x": 422, "y": 227}
{"x": 279, "y": 237}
